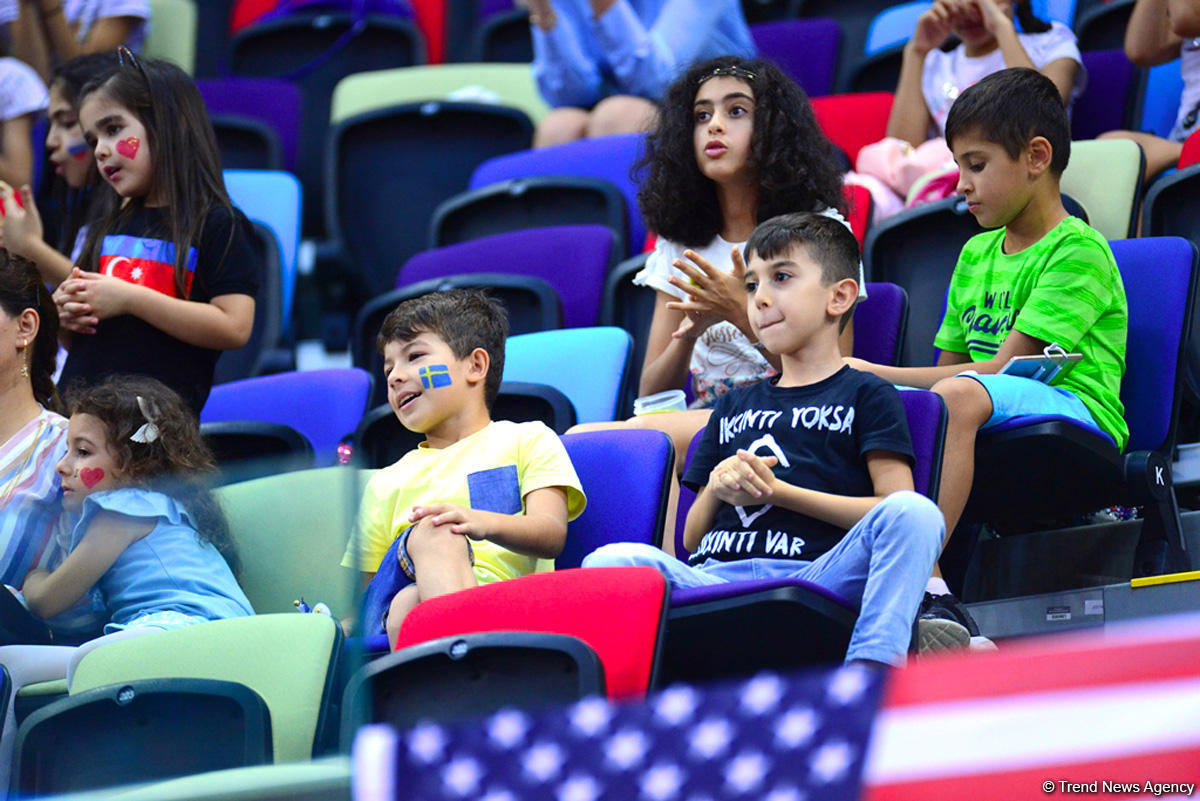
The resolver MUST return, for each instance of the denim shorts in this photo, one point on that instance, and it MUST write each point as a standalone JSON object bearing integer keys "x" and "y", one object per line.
{"x": 1015, "y": 396}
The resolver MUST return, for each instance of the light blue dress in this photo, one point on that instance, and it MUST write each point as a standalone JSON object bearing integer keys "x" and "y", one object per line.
{"x": 168, "y": 578}
{"x": 637, "y": 47}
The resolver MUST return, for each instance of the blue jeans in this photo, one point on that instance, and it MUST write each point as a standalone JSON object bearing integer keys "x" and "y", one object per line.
{"x": 883, "y": 563}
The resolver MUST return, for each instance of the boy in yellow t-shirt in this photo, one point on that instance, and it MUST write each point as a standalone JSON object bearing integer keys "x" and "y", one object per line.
{"x": 478, "y": 501}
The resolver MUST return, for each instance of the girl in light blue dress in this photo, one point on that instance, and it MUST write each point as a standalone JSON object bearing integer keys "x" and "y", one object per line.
{"x": 150, "y": 543}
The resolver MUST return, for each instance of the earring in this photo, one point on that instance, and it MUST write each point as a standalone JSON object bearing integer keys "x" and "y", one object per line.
{"x": 24, "y": 371}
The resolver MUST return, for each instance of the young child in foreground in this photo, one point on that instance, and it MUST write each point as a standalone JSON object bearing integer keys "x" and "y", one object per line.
{"x": 808, "y": 475}
{"x": 479, "y": 501}
{"x": 1041, "y": 277}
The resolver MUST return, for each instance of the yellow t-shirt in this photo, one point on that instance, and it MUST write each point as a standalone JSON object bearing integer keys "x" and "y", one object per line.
{"x": 493, "y": 469}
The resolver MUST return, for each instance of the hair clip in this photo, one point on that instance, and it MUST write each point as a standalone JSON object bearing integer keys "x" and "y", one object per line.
{"x": 731, "y": 71}
{"x": 127, "y": 58}
{"x": 148, "y": 432}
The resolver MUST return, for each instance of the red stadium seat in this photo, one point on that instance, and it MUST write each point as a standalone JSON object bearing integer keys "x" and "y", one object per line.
{"x": 1191, "y": 151}
{"x": 854, "y": 120}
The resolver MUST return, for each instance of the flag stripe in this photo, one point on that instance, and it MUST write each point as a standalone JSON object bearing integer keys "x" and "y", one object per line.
{"x": 1039, "y": 728}
{"x": 1177, "y": 765}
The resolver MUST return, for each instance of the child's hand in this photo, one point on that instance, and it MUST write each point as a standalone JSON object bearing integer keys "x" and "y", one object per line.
{"x": 993, "y": 18}
{"x": 933, "y": 26}
{"x": 713, "y": 296}
{"x": 22, "y": 225}
{"x": 73, "y": 314}
{"x": 462, "y": 520}
{"x": 744, "y": 479}
{"x": 102, "y": 295}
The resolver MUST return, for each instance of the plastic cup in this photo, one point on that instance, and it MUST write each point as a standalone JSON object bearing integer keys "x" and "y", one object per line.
{"x": 673, "y": 400}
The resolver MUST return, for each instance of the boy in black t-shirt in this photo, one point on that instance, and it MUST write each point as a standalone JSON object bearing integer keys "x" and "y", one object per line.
{"x": 808, "y": 475}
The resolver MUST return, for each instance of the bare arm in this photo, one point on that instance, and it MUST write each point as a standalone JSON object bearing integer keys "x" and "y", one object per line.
{"x": 23, "y": 231}
{"x": 951, "y": 363}
{"x": 1185, "y": 17}
{"x": 16, "y": 150}
{"x": 108, "y": 535}
{"x": 540, "y": 532}
{"x": 1149, "y": 40}
{"x": 29, "y": 40}
{"x": 700, "y": 518}
{"x": 667, "y": 357}
{"x": 1062, "y": 71}
{"x": 910, "y": 118}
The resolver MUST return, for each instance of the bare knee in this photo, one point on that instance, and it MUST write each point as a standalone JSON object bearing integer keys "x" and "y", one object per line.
{"x": 967, "y": 402}
{"x": 621, "y": 114}
{"x": 427, "y": 542}
{"x": 561, "y": 125}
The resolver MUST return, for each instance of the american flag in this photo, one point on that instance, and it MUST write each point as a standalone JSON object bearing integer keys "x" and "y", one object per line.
{"x": 1088, "y": 715}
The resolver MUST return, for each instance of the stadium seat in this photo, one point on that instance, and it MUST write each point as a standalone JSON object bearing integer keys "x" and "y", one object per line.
{"x": 380, "y": 196}
{"x": 323, "y": 405}
{"x": 880, "y": 322}
{"x": 260, "y": 354}
{"x": 1191, "y": 151}
{"x": 598, "y": 392}
{"x": 246, "y": 450}
{"x": 854, "y": 19}
{"x": 782, "y": 623}
{"x": 316, "y": 51}
{"x": 1039, "y": 467}
{"x": 381, "y": 439}
{"x": 1106, "y": 100}
{"x": 857, "y": 210}
{"x": 247, "y": 144}
{"x": 532, "y": 305}
{"x": 574, "y": 259}
{"x": 805, "y": 49}
{"x": 138, "y": 731}
{"x": 503, "y": 38}
{"x": 291, "y": 530}
{"x": 267, "y": 100}
{"x": 273, "y": 198}
{"x": 879, "y": 69}
{"x": 172, "y": 33}
{"x": 609, "y": 157}
{"x": 625, "y": 505}
{"x": 1158, "y": 104}
{"x": 852, "y": 121}
{"x": 509, "y": 85}
{"x": 531, "y": 203}
{"x": 629, "y": 306}
{"x": 617, "y": 611}
{"x": 1102, "y": 27}
{"x": 1105, "y": 177}
{"x": 292, "y": 672}
{"x": 761, "y": 11}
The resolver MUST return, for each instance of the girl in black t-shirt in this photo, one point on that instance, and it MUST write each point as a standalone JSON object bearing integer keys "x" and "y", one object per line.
{"x": 167, "y": 280}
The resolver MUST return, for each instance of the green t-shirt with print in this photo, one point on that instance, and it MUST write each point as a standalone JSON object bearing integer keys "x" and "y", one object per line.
{"x": 1064, "y": 288}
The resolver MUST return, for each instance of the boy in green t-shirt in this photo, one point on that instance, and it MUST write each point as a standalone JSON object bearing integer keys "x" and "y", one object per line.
{"x": 1042, "y": 277}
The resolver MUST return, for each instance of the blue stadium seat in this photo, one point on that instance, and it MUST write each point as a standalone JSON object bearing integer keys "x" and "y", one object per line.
{"x": 591, "y": 366}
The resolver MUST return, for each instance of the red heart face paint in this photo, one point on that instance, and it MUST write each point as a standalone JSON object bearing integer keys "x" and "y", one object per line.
{"x": 91, "y": 476}
{"x": 128, "y": 148}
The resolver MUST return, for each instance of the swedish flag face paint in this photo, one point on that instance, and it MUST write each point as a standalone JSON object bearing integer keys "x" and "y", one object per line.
{"x": 435, "y": 376}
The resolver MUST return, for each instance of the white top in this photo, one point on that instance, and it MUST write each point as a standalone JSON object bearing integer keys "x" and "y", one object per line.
{"x": 21, "y": 90}
{"x": 946, "y": 75}
{"x": 723, "y": 358}
{"x": 82, "y": 15}
{"x": 1189, "y": 100}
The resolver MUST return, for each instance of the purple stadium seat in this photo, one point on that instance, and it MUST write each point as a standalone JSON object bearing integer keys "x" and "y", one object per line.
{"x": 1104, "y": 104}
{"x": 607, "y": 157}
{"x": 879, "y": 323}
{"x": 805, "y": 49}
{"x": 783, "y": 622}
{"x": 274, "y": 102}
{"x": 323, "y": 405}
{"x": 574, "y": 259}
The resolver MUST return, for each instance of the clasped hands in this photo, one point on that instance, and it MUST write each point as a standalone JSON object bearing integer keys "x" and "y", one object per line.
{"x": 85, "y": 298}
{"x": 744, "y": 479}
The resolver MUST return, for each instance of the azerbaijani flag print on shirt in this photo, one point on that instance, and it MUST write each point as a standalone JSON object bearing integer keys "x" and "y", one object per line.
{"x": 144, "y": 261}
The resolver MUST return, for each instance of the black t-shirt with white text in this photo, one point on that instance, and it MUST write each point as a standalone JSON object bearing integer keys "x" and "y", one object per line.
{"x": 820, "y": 433}
{"x": 141, "y": 254}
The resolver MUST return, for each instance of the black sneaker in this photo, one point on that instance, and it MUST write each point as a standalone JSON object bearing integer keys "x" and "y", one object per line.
{"x": 943, "y": 624}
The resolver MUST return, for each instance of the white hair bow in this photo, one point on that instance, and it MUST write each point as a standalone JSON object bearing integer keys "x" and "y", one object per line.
{"x": 148, "y": 432}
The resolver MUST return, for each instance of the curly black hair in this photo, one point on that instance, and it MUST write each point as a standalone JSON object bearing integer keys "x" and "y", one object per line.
{"x": 797, "y": 170}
